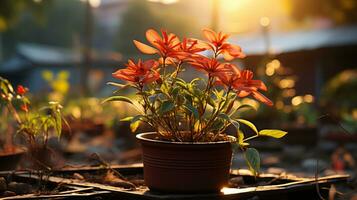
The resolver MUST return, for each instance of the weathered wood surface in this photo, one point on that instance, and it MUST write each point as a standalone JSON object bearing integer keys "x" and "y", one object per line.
{"x": 292, "y": 185}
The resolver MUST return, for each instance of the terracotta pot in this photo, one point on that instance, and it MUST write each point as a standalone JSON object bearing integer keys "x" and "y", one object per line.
{"x": 10, "y": 160}
{"x": 185, "y": 167}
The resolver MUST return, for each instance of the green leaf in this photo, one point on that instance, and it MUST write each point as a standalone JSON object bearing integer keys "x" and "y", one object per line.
{"x": 58, "y": 123}
{"x": 135, "y": 122}
{"x": 181, "y": 83}
{"x": 196, "y": 92}
{"x": 273, "y": 133}
{"x": 249, "y": 124}
{"x": 195, "y": 80}
{"x": 217, "y": 125}
{"x": 134, "y": 126}
{"x": 211, "y": 102}
{"x": 118, "y": 98}
{"x": 241, "y": 138}
{"x": 253, "y": 160}
{"x": 224, "y": 116}
{"x": 227, "y": 118}
{"x": 192, "y": 109}
{"x": 175, "y": 92}
{"x": 166, "y": 106}
{"x": 164, "y": 88}
{"x": 246, "y": 106}
{"x": 219, "y": 94}
{"x": 127, "y": 119}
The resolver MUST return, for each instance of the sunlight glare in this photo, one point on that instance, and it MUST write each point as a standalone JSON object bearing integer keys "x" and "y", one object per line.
{"x": 95, "y": 3}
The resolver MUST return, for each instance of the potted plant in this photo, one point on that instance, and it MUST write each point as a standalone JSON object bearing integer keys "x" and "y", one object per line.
{"x": 10, "y": 154}
{"x": 35, "y": 126}
{"x": 189, "y": 152}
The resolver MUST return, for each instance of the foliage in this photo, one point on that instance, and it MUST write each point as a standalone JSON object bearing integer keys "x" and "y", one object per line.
{"x": 58, "y": 84}
{"x": 338, "y": 100}
{"x": 60, "y": 23}
{"x": 340, "y": 87}
{"x": 339, "y": 11}
{"x": 10, "y": 10}
{"x": 198, "y": 110}
{"x": 35, "y": 126}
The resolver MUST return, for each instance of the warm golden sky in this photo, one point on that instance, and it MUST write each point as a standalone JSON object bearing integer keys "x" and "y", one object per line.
{"x": 236, "y": 16}
{"x": 244, "y": 15}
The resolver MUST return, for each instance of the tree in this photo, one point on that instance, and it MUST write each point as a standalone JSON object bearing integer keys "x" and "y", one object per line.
{"x": 61, "y": 21}
{"x": 10, "y": 10}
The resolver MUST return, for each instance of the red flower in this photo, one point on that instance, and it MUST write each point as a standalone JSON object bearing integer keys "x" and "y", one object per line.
{"x": 21, "y": 90}
{"x": 245, "y": 86}
{"x": 164, "y": 44}
{"x": 219, "y": 44}
{"x": 209, "y": 65}
{"x": 24, "y": 107}
{"x": 142, "y": 72}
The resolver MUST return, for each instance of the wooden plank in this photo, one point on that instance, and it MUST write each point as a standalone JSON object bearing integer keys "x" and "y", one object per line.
{"x": 55, "y": 196}
{"x": 295, "y": 184}
{"x": 228, "y": 193}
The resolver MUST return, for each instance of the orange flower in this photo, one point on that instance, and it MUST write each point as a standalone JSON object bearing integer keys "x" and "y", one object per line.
{"x": 218, "y": 43}
{"x": 142, "y": 72}
{"x": 186, "y": 50}
{"x": 24, "y": 107}
{"x": 209, "y": 65}
{"x": 21, "y": 90}
{"x": 163, "y": 45}
{"x": 245, "y": 86}
{"x": 230, "y": 76}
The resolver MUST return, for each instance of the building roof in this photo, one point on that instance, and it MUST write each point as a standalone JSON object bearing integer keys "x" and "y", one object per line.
{"x": 48, "y": 54}
{"x": 28, "y": 55}
{"x": 254, "y": 44}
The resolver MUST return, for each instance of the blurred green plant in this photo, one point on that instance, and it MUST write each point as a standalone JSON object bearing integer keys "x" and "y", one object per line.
{"x": 339, "y": 99}
{"x": 35, "y": 125}
{"x": 59, "y": 23}
{"x": 338, "y": 11}
{"x": 11, "y": 10}
{"x": 59, "y": 84}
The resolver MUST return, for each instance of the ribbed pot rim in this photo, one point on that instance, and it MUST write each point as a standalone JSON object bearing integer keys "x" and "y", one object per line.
{"x": 143, "y": 137}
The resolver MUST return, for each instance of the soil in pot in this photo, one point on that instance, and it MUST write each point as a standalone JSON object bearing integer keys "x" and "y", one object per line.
{"x": 185, "y": 167}
{"x": 10, "y": 159}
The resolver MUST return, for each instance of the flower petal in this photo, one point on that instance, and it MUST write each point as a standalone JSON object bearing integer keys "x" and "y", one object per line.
{"x": 259, "y": 96}
{"x": 150, "y": 64}
{"x": 150, "y": 77}
{"x": 145, "y": 48}
{"x": 153, "y": 37}
{"x": 209, "y": 34}
{"x": 227, "y": 56}
{"x": 243, "y": 93}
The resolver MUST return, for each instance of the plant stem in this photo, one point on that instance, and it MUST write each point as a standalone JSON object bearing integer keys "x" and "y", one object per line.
{"x": 164, "y": 65}
{"x": 13, "y": 110}
{"x": 252, "y": 137}
{"x": 219, "y": 109}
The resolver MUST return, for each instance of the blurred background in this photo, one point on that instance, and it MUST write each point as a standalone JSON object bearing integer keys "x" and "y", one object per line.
{"x": 66, "y": 50}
